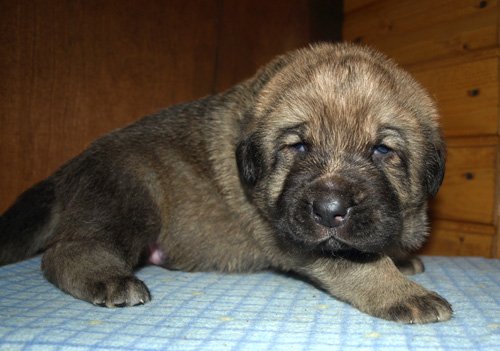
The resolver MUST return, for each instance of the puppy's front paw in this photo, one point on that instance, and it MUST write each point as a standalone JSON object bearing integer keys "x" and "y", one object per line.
{"x": 118, "y": 291}
{"x": 428, "y": 308}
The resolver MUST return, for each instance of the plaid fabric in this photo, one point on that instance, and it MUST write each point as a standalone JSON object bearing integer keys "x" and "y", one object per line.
{"x": 263, "y": 311}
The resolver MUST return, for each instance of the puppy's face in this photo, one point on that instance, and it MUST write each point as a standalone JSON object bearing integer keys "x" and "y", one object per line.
{"x": 341, "y": 152}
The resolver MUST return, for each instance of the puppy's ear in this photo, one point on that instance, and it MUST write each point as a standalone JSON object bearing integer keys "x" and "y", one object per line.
{"x": 435, "y": 166}
{"x": 249, "y": 161}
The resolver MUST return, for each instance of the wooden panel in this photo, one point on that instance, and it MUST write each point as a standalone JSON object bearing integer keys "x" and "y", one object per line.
{"x": 468, "y": 190}
{"x": 324, "y": 20}
{"x": 254, "y": 32}
{"x": 495, "y": 247}
{"x": 351, "y": 5}
{"x": 476, "y": 55}
{"x": 459, "y": 239}
{"x": 414, "y": 31}
{"x": 467, "y": 96}
{"x": 72, "y": 70}
{"x": 482, "y": 140}
{"x": 496, "y": 239}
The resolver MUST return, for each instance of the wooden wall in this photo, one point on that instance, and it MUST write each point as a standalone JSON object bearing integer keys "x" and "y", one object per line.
{"x": 72, "y": 70}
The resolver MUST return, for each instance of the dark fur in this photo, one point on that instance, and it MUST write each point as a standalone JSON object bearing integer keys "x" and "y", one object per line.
{"x": 321, "y": 165}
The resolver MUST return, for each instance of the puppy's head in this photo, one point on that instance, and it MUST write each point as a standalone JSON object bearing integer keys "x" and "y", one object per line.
{"x": 341, "y": 151}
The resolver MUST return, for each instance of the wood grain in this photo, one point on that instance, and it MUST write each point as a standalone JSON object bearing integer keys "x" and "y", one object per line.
{"x": 254, "y": 32}
{"x": 73, "y": 70}
{"x": 415, "y": 31}
{"x": 496, "y": 239}
{"x": 468, "y": 191}
{"x": 352, "y": 5}
{"x": 467, "y": 96}
{"x": 455, "y": 239}
{"x": 480, "y": 140}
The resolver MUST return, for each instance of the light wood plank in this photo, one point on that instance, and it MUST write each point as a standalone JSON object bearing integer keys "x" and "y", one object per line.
{"x": 468, "y": 191}
{"x": 450, "y": 242}
{"x": 480, "y": 140}
{"x": 415, "y": 31}
{"x": 467, "y": 96}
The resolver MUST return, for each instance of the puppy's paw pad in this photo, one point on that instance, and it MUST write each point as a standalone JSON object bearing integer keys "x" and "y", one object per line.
{"x": 428, "y": 308}
{"x": 119, "y": 292}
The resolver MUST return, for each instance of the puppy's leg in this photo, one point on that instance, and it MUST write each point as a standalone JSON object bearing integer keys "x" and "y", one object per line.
{"x": 94, "y": 271}
{"x": 410, "y": 265}
{"x": 378, "y": 288}
{"x": 106, "y": 223}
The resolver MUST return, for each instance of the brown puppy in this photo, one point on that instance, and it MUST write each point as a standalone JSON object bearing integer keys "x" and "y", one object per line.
{"x": 320, "y": 164}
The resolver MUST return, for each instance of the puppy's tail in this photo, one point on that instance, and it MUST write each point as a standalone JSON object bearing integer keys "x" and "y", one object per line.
{"x": 26, "y": 225}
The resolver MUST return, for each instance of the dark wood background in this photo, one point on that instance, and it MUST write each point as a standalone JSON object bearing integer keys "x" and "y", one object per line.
{"x": 72, "y": 70}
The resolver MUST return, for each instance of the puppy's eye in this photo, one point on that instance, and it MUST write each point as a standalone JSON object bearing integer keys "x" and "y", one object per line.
{"x": 299, "y": 147}
{"x": 381, "y": 150}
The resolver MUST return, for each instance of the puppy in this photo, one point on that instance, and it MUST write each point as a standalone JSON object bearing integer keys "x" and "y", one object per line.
{"x": 320, "y": 164}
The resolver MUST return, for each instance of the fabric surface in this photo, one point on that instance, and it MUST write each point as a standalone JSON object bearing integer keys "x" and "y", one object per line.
{"x": 263, "y": 311}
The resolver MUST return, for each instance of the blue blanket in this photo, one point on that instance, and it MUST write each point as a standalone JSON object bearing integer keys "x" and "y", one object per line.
{"x": 263, "y": 311}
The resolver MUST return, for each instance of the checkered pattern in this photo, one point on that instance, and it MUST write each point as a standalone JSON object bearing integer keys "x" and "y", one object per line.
{"x": 263, "y": 311}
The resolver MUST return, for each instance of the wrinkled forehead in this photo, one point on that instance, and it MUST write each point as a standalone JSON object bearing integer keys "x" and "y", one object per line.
{"x": 330, "y": 98}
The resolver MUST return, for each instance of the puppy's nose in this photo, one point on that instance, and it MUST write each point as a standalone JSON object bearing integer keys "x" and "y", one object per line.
{"x": 330, "y": 213}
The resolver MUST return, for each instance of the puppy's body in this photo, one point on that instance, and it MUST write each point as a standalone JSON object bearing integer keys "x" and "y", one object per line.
{"x": 320, "y": 164}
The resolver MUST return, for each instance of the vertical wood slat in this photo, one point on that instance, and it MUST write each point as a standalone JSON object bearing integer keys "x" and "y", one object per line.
{"x": 254, "y": 32}
{"x": 73, "y": 70}
{"x": 264, "y": 30}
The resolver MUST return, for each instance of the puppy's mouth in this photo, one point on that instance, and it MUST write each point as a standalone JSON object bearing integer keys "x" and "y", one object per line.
{"x": 311, "y": 235}
{"x": 324, "y": 240}
{"x": 356, "y": 229}
{"x": 341, "y": 239}
{"x": 337, "y": 237}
